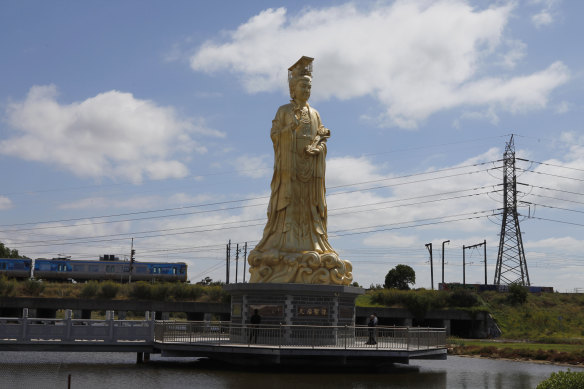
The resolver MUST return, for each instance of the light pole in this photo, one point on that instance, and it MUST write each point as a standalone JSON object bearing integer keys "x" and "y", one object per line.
{"x": 446, "y": 241}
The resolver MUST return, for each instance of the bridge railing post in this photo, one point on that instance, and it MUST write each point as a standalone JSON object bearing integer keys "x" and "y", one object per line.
{"x": 68, "y": 325}
{"x": 110, "y": 319}
{"x": 24, "y": 325}
{"x": 150, "y": 318}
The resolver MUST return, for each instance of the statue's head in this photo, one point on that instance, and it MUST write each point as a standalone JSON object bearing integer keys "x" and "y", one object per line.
{"x": 300, "y": 75}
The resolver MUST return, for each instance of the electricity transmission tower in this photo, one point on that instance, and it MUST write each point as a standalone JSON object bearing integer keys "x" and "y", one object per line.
{"x": 511, "y": 265}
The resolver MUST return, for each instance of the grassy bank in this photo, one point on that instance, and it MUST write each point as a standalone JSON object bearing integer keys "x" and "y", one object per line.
{"x": 555, "y": 353}
{"x": 160, "y": 291}
{"x": 549, "y": 326}
{"x": 545, "y": 317}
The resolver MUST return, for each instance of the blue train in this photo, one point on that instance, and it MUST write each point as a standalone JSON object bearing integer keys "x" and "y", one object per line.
{"x": 107, "y": 268}
{"x": 16, "y": 268}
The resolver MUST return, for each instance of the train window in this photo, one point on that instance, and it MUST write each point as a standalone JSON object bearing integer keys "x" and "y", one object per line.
{"x": 174, "y": 270}
{"x": 182, "y": 270}
{"x": 110, "y": 269}
{"x": 93, "y": 268}
{"x": 141, "y": 269}
{"x": 78, "y": 267}
{"x": 2, "y": 266}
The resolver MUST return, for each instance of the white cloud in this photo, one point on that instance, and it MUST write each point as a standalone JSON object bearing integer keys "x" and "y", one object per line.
{"x": 563, "y": 107}
{"x": 349, "y": 170}
{"x": 253, "y": 166}
{"x": 517, "y": 51}
{"x": 542, "y": 18}
{"x": 415, "y": 57}
{"x": 564, "y": 244}
{"x": 546, "y": 14}
{"x": 390, "y": 240}
{"x": 112, "y": 134}
{"x": 5, "y": 203}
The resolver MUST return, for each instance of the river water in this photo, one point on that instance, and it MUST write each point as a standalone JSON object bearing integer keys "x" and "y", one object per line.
{"x": 119, "y": 370}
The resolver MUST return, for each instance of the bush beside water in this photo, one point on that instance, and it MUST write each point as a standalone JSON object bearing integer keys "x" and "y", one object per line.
{"x": 563, "y": 380}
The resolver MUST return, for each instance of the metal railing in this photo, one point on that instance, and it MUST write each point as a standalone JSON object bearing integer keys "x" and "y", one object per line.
{"x": 38, "y": 330}
{"x": 300, "y": 336}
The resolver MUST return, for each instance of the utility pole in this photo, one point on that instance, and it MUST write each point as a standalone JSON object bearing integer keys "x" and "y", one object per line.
{"x": 236, "y": 261}
{"x": 485, "y": 256}
{"x": 511, "y": 265}
{"x": 227, "y": 260}
{"x": 463, "y": 259}
{"x": 446, "y": 241}
{"x": 463, "y": 265}
{"x": 244, "y": 260}
{"x": 429, "y": 247}
{"x": 132, "y": 253}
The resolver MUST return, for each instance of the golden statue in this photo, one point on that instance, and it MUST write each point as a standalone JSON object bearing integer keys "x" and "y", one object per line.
{"x": 295, "y": 247}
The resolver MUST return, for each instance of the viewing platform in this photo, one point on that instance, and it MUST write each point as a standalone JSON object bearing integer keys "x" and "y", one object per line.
{"x": 297, "y": 344}
{"x": 234, "y": 344}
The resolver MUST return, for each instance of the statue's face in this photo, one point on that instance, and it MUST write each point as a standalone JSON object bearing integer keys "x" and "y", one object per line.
{"x": 302, "y": 89}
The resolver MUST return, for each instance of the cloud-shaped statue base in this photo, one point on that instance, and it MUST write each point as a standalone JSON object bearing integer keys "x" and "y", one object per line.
{"x": 308, "y": 267}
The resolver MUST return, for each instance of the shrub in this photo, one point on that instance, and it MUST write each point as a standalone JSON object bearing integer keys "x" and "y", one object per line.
{"x": 418, "y": 302}
{"x": 89, "y": 290}
{"x": 140, "y": 290}
{"x": 186, "y": 291}
{"x": 109, "y": 290}
{"x": 6, "y": 287}
{"x": 517, "y": 294}
{"x": 216, "y": 294}
{"x": 32, "y": 287}
{"x": 563, "y": 380}
{"x": 160, "y": 291}
{"x": 463, "y": 299}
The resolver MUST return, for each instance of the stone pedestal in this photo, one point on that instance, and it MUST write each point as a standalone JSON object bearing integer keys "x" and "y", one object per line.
{"x": 295, "y": 305}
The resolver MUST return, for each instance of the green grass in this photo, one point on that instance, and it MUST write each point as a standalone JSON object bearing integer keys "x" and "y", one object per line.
{"x": 365, "y": 300}
{"x": 544, "y": 317}
{"x": 523, "y": 345}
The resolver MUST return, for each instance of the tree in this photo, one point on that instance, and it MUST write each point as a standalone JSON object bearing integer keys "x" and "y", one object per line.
{"x": 5, "y": 252}
{"x": 400, "y": 277}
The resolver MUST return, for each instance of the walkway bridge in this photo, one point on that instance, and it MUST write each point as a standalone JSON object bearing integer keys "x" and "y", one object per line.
{"x": 278, "y": 345}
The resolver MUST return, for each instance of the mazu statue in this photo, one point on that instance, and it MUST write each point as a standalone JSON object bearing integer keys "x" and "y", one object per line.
{"x": 295, "y": 247}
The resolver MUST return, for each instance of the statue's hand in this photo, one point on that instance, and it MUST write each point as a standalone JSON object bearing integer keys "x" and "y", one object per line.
{"x": 312, "y": 150}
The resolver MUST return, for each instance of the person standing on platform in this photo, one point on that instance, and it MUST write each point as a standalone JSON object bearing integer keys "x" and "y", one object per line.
{"x": 371, "y": 325}
{"x": 256, "y": 320}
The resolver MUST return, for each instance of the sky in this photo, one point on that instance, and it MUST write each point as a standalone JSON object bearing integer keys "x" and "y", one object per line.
{"x": 150, "y": 120}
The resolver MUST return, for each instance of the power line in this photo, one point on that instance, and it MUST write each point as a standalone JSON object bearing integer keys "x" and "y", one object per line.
{"x": 550, "y": 164}
{"x": 332, "y": 213}
{"x": 250, "y": 199}
{"x": 551, "y": 175}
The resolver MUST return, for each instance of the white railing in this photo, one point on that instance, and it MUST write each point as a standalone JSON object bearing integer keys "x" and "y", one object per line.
{"x": 75, "y": 331}
{"x": 36, "y": 330}
{"x": 348, "y": 337}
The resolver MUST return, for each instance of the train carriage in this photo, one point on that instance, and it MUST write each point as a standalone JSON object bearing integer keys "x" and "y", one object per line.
{"x": 87, "y": 270}
{"x": 19, "y": 268}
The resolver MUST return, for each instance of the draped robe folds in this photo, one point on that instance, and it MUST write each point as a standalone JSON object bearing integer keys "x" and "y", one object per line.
{"x": 294, "y": 247}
